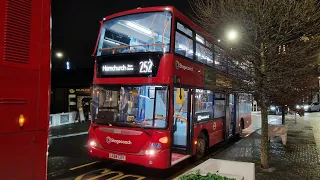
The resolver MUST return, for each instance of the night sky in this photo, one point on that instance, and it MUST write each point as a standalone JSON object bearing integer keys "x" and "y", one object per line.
{"x": 75, "y": 25}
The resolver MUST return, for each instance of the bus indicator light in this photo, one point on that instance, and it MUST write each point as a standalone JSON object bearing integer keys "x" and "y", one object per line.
{"x": 164, "y": 140}
{"x": 21, "y": 120}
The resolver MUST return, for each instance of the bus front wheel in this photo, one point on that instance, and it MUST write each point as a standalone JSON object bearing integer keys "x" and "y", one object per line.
{"x": 202, "y": 146}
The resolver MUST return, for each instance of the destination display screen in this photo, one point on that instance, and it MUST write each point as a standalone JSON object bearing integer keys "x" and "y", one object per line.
{"x": 128, "y": 66}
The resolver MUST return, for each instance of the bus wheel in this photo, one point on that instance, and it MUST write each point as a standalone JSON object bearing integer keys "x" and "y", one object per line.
{"x": 242, "y": 124}
{"x": 241, "y": 128}
{"x": 202, "y": 146}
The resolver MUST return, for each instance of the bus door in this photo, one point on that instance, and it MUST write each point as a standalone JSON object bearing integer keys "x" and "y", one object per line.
{"x": 181, "y": 124}
{"x": 232, "y": 105}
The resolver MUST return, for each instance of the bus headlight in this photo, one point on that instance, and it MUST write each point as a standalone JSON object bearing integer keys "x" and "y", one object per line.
{"x": 149, "y": 152}
{"x": 92, "y": 143}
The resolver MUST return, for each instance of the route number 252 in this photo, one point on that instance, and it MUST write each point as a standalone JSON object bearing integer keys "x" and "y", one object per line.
{"x": 145, "y": 66}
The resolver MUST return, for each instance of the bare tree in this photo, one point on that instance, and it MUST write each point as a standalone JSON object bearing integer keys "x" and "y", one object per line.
{"x": 279, "y": 40}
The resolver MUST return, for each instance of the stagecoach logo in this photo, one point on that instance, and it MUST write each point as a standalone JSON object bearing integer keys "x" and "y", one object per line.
{"x": 181, "y": 66}
{"x": 110, "y": 140}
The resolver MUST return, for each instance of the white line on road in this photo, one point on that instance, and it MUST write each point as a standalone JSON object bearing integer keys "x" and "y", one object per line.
{"x": 68, "y": 135}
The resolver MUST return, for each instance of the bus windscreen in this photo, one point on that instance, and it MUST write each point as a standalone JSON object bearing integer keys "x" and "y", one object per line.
{"x": 141, "y": 32}
{"x": 144, "y": 106}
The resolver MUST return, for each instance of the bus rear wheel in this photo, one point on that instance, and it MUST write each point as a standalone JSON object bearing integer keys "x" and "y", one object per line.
{"x": 241, "y": 127}
{"x": 202, "y": 146}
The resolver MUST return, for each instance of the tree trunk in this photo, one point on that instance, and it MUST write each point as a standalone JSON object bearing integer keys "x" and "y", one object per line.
{"x": 264, "y": 113}
{"x": 264, "y": 136}
{"x": 283, "y": 114}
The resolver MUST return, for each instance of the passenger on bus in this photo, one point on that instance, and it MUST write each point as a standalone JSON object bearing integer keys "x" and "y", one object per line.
{"x": 123, "y": 105}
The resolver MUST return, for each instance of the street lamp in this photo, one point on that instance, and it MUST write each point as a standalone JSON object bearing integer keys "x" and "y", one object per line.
{"x": 232, "y": 35}
{"x": 59, "y": 54}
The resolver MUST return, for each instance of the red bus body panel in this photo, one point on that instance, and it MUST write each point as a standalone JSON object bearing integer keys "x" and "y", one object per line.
{"x": 25, "y": 87}
{"x": 191, "y": 77}
{"x": 134, "y": 152}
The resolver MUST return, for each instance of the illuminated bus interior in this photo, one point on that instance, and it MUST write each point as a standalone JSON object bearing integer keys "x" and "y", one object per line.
{"x": 143, "y": 32}
{"x": 130, "y": 106}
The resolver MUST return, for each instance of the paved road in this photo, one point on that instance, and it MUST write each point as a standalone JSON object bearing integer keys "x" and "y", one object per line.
{"x": 68, "y": 160}
{"x": 68, "y": 157}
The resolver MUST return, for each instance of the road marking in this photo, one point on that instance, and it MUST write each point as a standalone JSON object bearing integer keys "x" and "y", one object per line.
{"x": 111, "y": 175}
{"x": 81, "y": 166}
{"x": 68, "y": 135}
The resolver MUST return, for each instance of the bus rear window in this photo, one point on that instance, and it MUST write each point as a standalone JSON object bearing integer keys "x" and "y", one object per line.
{"x": 142, "y": 32}
{"x": 130, "y": 106}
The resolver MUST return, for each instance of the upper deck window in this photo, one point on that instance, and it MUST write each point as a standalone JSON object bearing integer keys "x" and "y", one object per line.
{"x": 142, "y": 32}
{"x": 184, "y": 45}
{"x": 204, "y": 54}
{"x": 200, "y": 39}
{"x": 184, "y": 29}
{"x": 184, "y": 42}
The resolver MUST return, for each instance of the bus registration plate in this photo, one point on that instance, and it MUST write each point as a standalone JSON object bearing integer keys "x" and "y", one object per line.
{"x": 117, "y": 157}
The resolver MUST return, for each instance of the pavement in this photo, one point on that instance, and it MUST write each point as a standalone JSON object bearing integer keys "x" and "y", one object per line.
{"x": 299, "y": 159}
{"x": 69, "y": 130}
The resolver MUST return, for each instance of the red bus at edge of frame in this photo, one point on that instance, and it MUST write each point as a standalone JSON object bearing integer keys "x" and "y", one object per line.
{"x": 25, "y": 44}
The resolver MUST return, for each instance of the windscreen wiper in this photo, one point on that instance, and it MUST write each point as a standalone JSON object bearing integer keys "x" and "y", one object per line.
{"x": 147, "y": 132}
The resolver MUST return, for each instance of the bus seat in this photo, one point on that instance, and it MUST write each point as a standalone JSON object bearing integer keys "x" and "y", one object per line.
{"x": 134, "y": 41}
{"x": 135, "y": 49}
{"x": 204, "y": 61}
{"x": 190, "y": 56}
{"x": 159, "y": 47}
{"x": 180, "y": 51}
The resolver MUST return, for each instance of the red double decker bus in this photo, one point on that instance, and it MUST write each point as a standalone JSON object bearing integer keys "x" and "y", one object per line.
{"x": 155, "y": 98}
{"x": 25, "y": 88}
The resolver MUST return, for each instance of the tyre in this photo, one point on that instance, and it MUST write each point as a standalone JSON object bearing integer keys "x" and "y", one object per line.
{"x": 242, "y": 124}
{"x": 202, "y": 146}
{"x": 241, "y": 127}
